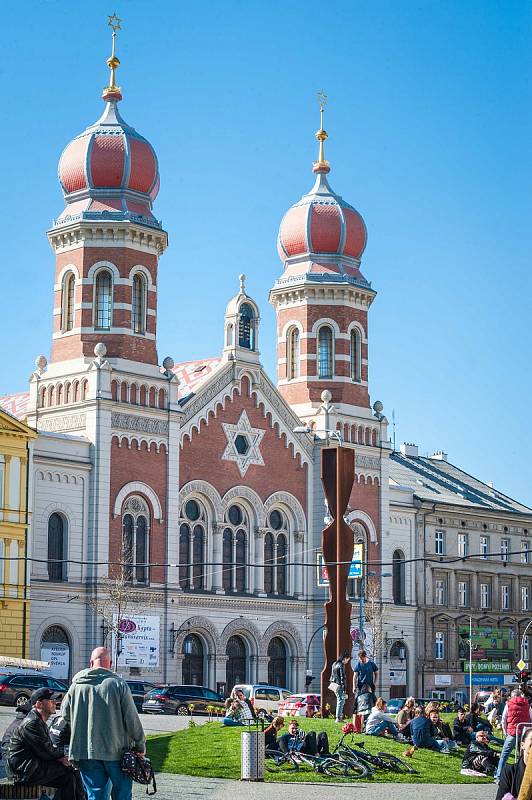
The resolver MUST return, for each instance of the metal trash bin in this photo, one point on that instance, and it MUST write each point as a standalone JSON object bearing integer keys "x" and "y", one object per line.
{"x": 252, "y": 756}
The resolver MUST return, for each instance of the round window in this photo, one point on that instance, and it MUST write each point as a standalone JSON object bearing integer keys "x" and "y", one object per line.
{"x": 276, "y": 520}
{"x": 192, "y": 510}
{"x": 235, "y": 515}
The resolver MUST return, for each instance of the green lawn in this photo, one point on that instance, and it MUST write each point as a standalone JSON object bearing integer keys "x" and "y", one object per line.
{"x": 210, "y": 750}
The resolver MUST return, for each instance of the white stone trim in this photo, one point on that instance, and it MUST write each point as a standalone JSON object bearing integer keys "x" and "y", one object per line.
{"x": 249, "y": 499}
{"x": 145, "y": 271}
{"x": 122, "y": 331}
{"x": 135, "y": 487}
{"x": 294, "y": 323}
{"x": 361, "y": 516}
{"x": 292, "y": 504}
{"x": 95, "y": 268}
{"x": 63, "y": 272}
{"x": 326, "y": 321}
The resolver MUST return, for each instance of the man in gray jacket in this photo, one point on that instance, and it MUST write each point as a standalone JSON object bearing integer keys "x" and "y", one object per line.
{"x": 100, "y": 710}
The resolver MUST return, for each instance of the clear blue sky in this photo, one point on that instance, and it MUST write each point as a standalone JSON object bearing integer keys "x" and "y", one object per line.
{"x": 430, "y": 137}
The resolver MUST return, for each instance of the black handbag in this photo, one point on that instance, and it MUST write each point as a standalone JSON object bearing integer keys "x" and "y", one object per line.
{"x": 139, "y": 770}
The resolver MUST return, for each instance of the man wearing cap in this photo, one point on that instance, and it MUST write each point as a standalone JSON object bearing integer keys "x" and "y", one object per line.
{"x": 31, "y": 757}
{"x": 101, "y": 712}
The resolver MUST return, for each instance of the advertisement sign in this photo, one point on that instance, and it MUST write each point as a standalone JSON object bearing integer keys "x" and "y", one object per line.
{"x": 490, "y": 645}
{"x": 355, "y": 570}
{"x": 58, "y": 656}
{"x": 138, "y": 644}
{"x": 485, "y": 680}
{"x": 397, "y": 677}
{"x": 488, "y": 666}
{"x": 442, "y": 680}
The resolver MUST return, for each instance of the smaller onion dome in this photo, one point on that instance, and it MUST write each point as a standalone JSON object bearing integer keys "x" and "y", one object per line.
{"x": 322, "y": 223}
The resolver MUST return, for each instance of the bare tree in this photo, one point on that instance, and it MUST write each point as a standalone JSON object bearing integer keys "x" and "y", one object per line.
{"x": 374, "y": 617}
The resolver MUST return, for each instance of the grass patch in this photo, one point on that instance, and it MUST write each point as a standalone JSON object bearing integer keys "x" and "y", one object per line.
{"x": 212, "y": 751}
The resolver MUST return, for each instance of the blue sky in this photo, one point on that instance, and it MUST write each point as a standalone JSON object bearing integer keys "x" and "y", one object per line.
{"x": 430, "y": 130}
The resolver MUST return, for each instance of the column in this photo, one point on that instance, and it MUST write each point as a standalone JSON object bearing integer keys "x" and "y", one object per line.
{"x": 221, "y": 668}
{"x": 262, "y": 668}
{"x": 217, "y": 573}
{"x": 259, "y": 561}
{"x": 451, "y": 589}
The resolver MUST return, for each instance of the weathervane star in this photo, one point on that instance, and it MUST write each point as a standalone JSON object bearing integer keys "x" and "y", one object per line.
{"x": 114, "y": 22}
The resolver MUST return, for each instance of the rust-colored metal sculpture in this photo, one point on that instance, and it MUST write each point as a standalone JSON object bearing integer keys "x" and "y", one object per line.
{"x": 337, "y": 475}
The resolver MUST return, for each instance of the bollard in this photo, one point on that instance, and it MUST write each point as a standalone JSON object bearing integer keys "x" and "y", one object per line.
{"x": 252, "y": 756}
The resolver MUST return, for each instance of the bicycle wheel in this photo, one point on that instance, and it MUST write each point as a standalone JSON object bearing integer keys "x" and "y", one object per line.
{"x": 278, "y": 762}
{"x": 395, "y": 764}
{"x": 359, "y": 764}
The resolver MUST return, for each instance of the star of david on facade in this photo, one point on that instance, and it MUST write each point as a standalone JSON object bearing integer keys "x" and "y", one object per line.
{"x": 243, "y": 444}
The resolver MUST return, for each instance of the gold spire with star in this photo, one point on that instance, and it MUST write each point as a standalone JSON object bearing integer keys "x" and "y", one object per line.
{"x": 113, "y": 92}
{"x": 321, "y": 165}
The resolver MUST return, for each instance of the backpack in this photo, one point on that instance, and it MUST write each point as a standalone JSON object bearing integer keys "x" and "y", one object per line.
{"x": 139, "y": 770}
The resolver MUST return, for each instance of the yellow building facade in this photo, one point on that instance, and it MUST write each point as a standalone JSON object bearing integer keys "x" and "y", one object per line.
{"x": 15, "y": 439}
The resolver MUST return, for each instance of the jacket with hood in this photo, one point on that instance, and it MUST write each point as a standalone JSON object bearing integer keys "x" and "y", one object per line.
{"x": 101, "y": 712}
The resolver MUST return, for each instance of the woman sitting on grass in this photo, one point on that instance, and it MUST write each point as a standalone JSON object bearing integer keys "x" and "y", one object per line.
{"x": 270, "y": 734}
{"x": 379, "y": 722}
{"x": 239, "y": 710}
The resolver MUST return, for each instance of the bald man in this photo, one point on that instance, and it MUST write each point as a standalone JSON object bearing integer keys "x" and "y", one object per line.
{"x": 104, "y": 722}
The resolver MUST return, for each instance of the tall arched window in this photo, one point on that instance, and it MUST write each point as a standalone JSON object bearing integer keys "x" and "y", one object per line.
{"x": 355, "y": 356}
{"x": 236, "y": 662}
{"x": 235, "y": 549}
{"x": 276, "y": 554}
{"x": 138, "y": 305}
{"x": 282, "y": 550}
{"x": 277, "y": 662}
{"x": 269, "y": 567}
{"x": 192, "y": 545}
{"x": 103, "y": 300}
{"x": 56, "y": 548}
{"x": 292, "y": 347}
{"x": 246, "y": 327}
{"x": 325, "y": 352}
{"x": 67, "y": 302}
{"x": 398, "y": 573}
{"x": 193, "y": 660}
{"x": 135, "y": 540}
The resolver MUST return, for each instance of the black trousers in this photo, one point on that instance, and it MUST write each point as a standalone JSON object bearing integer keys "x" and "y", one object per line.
{"x": 65, "y": 779}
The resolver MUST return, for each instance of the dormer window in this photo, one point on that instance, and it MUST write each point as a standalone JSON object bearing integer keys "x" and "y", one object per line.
{"x": 246, "y": 327}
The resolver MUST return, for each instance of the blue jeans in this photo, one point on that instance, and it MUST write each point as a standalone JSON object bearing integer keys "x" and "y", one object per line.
{"x": 508, "y": 746}
{"x": 230, "y": 723}
{"x": 383, "y": 726}
{"x": 341, "y": 697}
{"x": 100, "y": 776}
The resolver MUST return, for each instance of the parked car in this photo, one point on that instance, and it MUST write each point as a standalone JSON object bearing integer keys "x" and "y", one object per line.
{"x": 17, "y": 687}
{"x": 265, "y": 699}
{"x": 179, "y": 699}
{"x": 395, "y": 704}
{"x": 139, "y": 690}
{"x": 299, "y": 705}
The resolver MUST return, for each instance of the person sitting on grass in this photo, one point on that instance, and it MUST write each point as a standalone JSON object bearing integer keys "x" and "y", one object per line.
{"x": 420, "y": 728}
{"x": 238, "y": 710}
{"x": 432, "y": 705}
{"x": 270, "y": 733}
{"x": 379, "y": 722}
{"x": 462, "y": 730}
{"x": 512, "y": 774}
{"x": 297, "y": 740}
{"x": 479, "y": 724}
{"x": 405, "y": 716}
{"x": 441, "y": 730}
{"x": 479, "y": 759}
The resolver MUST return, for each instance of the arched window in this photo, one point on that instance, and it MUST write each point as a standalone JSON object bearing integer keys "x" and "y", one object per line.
{"x": 235, "y": 549}
{"x": 56, "y": 548}
{"x": 325, "y": 352}
{"x": 103, "y": 301}
{"x": 276, "y": 554}
{"x": 193, "y": 660}
{"x": 277, "y": 662}
{"x": 359, "y": 538}
{"x": 246, "y": 327}
{"x": 268, "y": 563}
{"x": 398, "y": 573}
{"x": 292, "y": 354}
{"x": 281, "y": 563}
{"x": 135, "y": 540}
{"x": 55, "y": 645}
{"x": 355, "y": 356}
{"x": 192, "y": 545}
{"x": 138, "y": 304}
{"x": 230, "y": 335}
{"x": 236, "y": 662}
{"x": 67, "y": 302}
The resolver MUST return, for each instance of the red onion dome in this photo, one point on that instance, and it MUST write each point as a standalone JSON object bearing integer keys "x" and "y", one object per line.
{"x": 322, "y": 223}
{"x": 109, "y": 155}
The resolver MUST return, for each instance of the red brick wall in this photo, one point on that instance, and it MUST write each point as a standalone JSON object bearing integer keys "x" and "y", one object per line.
{"x": 366, "y": 497}
{"x": 149, "y": 467}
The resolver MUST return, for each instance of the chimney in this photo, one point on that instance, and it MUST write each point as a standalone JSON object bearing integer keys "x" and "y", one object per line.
{"x": 408, "y": 449}
{"x": 439, "y": 455}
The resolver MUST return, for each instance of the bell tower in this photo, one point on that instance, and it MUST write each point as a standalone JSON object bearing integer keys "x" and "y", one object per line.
{"x": 107, "y": 241}
{"x": 321, "y": 301}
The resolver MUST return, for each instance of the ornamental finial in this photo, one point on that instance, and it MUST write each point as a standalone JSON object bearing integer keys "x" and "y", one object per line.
{"x": 321, "y": 165}
{"x": 242, "y": 279}
{"x": 113, "y": 92}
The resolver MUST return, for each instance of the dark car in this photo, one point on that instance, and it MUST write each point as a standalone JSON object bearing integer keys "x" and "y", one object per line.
{"x": 139, "y": 689}
{"x": 182, "y": 700}
{"x": 17, "y": 687}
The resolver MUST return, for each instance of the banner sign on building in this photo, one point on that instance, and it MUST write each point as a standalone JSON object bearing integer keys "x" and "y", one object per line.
{"x": 58, "y": 657}
{"x": 491, "y": 645}
{"x": 138, "y": 641}
{"x": 485, "y": 680}
{"x": 355, "y": 570}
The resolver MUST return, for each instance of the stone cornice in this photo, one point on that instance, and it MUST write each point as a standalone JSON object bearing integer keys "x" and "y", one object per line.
{"x": 239, "y": 603}
{"x": 300, "y": 291}
{"x": 106, "y": 233}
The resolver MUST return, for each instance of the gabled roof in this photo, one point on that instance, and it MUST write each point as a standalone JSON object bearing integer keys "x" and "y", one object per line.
{"x": 10, "y": 423}
{"x": 439, "y": 481}
{"x": 15, "y": 404}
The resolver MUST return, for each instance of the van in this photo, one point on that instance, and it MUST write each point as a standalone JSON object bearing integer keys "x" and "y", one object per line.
{"x": 264, "y": 699}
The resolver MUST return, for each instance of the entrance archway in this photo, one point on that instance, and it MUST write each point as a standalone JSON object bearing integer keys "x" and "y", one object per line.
{"x": 193, "y": 662}
{"x": 277, "y": 662}
{"x": 55, "y": 648}
{"x": 398, "y": 669}
{"x": 236, "y": 662}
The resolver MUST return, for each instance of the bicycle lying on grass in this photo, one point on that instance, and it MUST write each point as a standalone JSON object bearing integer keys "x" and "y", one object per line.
{"x": 357, "y": 754}
{"x": 277, "y": 761}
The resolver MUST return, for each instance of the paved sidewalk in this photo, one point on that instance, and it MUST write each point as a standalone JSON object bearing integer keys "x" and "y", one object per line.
{"x": 216, "y": 789}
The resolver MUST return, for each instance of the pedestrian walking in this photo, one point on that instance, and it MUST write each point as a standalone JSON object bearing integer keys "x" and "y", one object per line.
{"x": 104, "y": 724}
{"x": 516, "y": 711}
{"x": 338, "y": 683}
